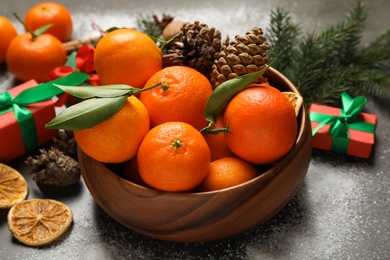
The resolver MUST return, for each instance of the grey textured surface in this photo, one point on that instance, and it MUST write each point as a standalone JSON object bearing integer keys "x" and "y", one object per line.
{"x": 342, "y": 210}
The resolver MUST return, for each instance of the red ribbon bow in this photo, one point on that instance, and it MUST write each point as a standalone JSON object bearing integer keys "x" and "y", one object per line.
{"x": 84, "y": 63}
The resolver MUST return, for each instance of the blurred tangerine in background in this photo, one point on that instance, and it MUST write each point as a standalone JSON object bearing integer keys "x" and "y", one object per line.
{"x": 8, "y": 33}
{"x": 29, "y": 57}
{"x": 51, "y": 13}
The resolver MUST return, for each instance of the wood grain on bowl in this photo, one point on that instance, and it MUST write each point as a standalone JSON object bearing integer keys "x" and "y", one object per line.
{"x": 207, "y": 216}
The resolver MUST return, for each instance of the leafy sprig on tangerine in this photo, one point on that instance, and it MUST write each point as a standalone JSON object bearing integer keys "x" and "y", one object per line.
{"x": 101, "y": 103}
{"x": 35, "y": 33}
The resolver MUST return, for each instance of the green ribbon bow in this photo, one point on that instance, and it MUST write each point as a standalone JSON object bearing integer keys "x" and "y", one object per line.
{"x": 339, "y": 125}
{"x": 42, "y": 92}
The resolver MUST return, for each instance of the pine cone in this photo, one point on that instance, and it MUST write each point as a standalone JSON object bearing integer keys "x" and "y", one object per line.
{"x": 165, "y": 20}
{"x": 245, "y": 54}
{"x": 196, "y": 47}
{"x": 66, "y": 143}
{"x": 54, "y": 168}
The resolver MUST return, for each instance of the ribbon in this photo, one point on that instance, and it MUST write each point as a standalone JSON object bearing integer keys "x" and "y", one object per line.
{"x": 339, "y": 125}
{"x": 83, "y": 61}
{"x": 42, "y": 92}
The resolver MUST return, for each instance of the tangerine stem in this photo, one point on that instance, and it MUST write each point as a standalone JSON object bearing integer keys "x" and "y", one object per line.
{"x": 177, "y": 144}
{"x": 164, "y": 86}
{"x": 215, "y": 131}
{"x": 139, "y": 90}
{"x": 165, "y": 43}
{"x": 25, "y": 26}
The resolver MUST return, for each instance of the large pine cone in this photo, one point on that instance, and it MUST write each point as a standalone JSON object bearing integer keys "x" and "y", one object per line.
{"x": 196, "y": 47}
{"x": 54, "y": 168}
{"x": 245, "y": 54}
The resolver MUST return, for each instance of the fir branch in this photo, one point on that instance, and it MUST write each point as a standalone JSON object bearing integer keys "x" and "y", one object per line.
{"x": 326, "y": 64}
{"x": 342, "y": 40}
{"x": 337, "y": 80}
{"x": 333, "y": 48}
{"x": 377, "y": 52}
{"x": 283, "y": 37}
{"x": 377, "y": 83}
{"x": 147, "y": 25}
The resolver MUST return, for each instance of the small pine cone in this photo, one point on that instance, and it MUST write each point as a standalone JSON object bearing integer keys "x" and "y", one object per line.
{"x": 54, "y": 168}
{"x": 165, "y": 20}
{"x": 66, "y": 143}
{"x": 245, "y": 54}
{"x": 196, "y": 47}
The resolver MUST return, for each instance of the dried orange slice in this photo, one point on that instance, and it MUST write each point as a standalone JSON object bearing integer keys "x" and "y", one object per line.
{"x": 13, "y": 187}
{"x": 38, "y": 222}
{"x": 295, "y": 99}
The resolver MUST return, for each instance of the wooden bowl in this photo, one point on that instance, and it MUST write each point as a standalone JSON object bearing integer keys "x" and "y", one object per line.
{"x": 207, "y": 216}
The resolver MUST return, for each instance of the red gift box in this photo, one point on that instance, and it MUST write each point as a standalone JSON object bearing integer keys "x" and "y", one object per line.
{"x": 359, "y": 143}
{"x": 12, "y": 144}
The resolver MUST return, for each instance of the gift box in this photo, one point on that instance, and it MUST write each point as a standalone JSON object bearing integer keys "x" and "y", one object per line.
{"x": 24, "y": 112}
{"x": 345, "y": 130}
{"x": 19, "y": 137}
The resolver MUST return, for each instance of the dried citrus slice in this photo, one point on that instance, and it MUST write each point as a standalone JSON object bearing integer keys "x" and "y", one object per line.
{"x": 295, "y": 99}
{"x": 13, "y": 187}
{"x": 37, "y": 222}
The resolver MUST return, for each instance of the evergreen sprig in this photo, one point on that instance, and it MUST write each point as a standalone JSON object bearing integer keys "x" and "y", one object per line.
{"x": 147, "y": 25}
{"x": 324, "y": 65}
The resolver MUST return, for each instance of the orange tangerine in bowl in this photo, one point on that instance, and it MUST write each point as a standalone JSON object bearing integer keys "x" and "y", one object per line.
{"x": 127, "y": 56}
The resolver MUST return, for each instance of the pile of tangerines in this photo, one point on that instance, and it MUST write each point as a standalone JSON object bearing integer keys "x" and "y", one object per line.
{"x": 157, "y": 133}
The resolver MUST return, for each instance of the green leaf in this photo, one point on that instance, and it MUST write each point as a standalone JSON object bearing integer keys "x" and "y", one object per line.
{"x": 108, "y": 91}
{"x": 42, "y": 29}
{"x": 87, "y": 114}
{"x": 225, "y": 92}
{"x": 112, "y": 29}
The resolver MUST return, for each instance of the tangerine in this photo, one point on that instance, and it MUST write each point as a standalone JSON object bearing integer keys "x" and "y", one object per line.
{"x": 29, "y": 57}
{"x": 182, "y": 96}
{"x": 131, "y": 172}
{"x": 117, "y": 139}
{"x": 8, "y": 33}
{"x": 262, "y": 124}
{"x": 217, "y": 142}
{"x": 173, "y": 157}
{"x": 127, "y": 56}
{"x": 51, "y": 13}
{"x": 227, "y": 172}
